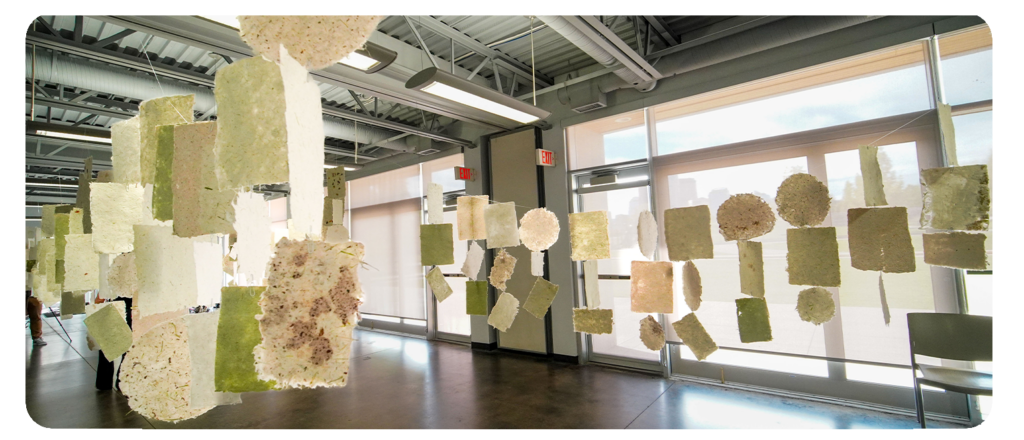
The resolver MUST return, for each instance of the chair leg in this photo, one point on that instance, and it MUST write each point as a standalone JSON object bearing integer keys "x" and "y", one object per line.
{"x": 919, "y": 402}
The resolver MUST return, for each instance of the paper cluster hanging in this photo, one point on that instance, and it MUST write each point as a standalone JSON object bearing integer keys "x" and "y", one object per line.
{"x": 316, "y": 41}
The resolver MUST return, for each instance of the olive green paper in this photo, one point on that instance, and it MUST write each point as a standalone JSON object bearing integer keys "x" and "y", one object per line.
{"x": 168, "y": 110}
{"x": 959, "y": 250}
{"x": 752, "y": 315}
{"x": 880, "y": 240}
{"x": 813, "y": 257}
{"x": 438, "y": 285}
{"x": 163, "y": 184}
{"x": 541, "y": 296}
{"x": 692, "y": 333}
{"x": 108, "y": 328}
{"x": 476, "y": 298}
{"x": 874, "y": 188}
{"x": 688, "y": 233}
{"x": 751, "y": 268}
{"x": 239, "y": 333}
{"x": 593, "y": 321}
{"x": 588, "y": 235}
{"x": 437, "y": 247}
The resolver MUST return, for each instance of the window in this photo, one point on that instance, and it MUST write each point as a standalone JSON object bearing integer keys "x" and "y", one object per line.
{"x": 967, "y": 66}
{"x": 607, "y": 141}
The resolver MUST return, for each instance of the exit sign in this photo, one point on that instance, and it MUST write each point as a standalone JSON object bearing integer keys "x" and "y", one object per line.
{"x": 463, "y": 173}
{"x": 545, "y": 158}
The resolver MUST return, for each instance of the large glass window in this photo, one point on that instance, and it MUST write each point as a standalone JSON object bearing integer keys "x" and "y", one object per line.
{"x": 967, "y": 66}
{"x": 606, "y": 141}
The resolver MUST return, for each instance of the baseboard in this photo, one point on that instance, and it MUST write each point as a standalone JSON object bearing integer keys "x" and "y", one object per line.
{"x": 575, "y": 360}
{"x": 484, "y": 346}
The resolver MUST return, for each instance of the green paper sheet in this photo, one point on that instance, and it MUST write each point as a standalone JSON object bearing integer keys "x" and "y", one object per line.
{"x": 751, "y": 268}
{"x": 880, "y": 240}
{"x": 238, "y": 332}
{"x": 813, "y": 257}
{"x": 438, "y": 285}
{"x": 593, "y": 321}
{"x": 166, "y": 110}
{"x": 110, "y": 331}
{"x": 72, "y": 303}
{"x": 476, "y": 298}
{"x": 688, "y": 233}
{"x": 163, "y": 185}
{"x": 437, "y": 247}
{"x": 58, "y": 275}
{"x": 541, "y": 296}
{"x": 752, "y": 314}
{"x": 693, "y": 334}
{"x": 61, "y": 228}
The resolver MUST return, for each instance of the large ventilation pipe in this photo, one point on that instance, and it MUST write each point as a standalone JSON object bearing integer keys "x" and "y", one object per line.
{"x": 569, "y": 32}
{"x": 90, "y": 75}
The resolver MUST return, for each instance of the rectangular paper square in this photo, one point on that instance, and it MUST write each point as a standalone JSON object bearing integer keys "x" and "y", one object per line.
{"x": 502, "y": 226}
{"x": 107, "y": 326}
{"x": 590, "y": 284}
{"x": 956, "y": 198}
{"x": 255, "y": 238}
{"x": 651, "y": 287}
{"x": 688, "y": 233}
{"x": 474, "y": 259}
{"x": 752, "y": 314}
{"x": 305, "y": 124}
{"x": 81, "y": 264}
{"x": 751, "y": 268}
{"x": 235, "y": 369}
{"x": 199, "y": 206}
{"x": 209, "y": 256}
{"x": 880, "y": 240}
{"x": 593, "y": 321}
{"x": 874, "y": 194}
{"x": 435, "y": 204}
{"x": 588, "y": 234}
{"x": 470, "y": 213}
{"x": 541, "y": 296}
{"x": 72, "y": 303}
{"x": 436, "y": 245}
{"x": 476, "y": 298}
{"x": 961, "y": 250}
{"x": 202, "y": 347}
{"x": 336, "y": 183}
{"x": 116, "y": 208}
{"x": 438, "y": 285}
{"x": 537, "y": 264}
{"x": 126, "y": 145}
{"x": 503, "y": 312}
{"x": 166, "y": 269}
{"x": 813, "y": 257}
{"x": 163, "y": 184}
{"x": 693, "y": 334}
{"x": 168, "y": 110}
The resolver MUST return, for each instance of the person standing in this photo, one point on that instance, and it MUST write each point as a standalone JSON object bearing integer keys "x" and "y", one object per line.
{"x": 34, "y": 310}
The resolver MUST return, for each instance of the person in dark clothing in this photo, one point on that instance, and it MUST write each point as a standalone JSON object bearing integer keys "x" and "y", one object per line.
{"x": 105, "y": 368}
{"x": 34, "y": 310}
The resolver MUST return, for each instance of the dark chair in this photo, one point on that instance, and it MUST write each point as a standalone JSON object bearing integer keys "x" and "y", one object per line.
{"x": 949, "y": 336}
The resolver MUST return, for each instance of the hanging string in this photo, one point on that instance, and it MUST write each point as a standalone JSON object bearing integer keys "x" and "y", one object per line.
{"x": 872, "y": 144}
{"x": 533, "y": 68}
{"x": 157, "y": 77}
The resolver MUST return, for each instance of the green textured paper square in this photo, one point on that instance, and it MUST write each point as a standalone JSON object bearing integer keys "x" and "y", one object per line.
{"x": 476, "y": 298}
{"x": 693, "y": 334}
{"x": 72, "y": 303}
{"x": 812, "y": 257}
{"x": 752, "y": 314}
{"x": 61, "y": 228}
{"x": 110, "y": 331}
{"x": 58, "y": 274}
{"x": 336, "y": 182}
{"x": 437, "y": 247}
{"x": 163, "y": 186}
{"x": 166, "y": 110}
{"x": 588, "y": 236}
{"x": 438, "y": 285}
{"x": 238, "y": 332}
{"x": 688, "y": 233}
{"x": 541, "y": 296}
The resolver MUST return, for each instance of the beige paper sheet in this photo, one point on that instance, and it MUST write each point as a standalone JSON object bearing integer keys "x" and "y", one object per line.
{"x": 202, "y": 337}
{"x": 199, "y": 206}
{"x": 502, "y": 228}
{"x": 81, "y": 264}
{"x": 116, "y": 208}
{"x": 647, "y": 234}
{"x": 688, "y": 233}
{"x": 692, "y": 289}
{"x": 956, "y": 198}
{"x": 165, "y": 265}
{"x": 537, "y": 264}
{"x": 590, "y": 283}
{"x": 538, "y": 229}
{"x": 438, "y": 285}
{"x": 813, "y": 257}
{"x": 336, "y": 182}
{"x": 588, "y": 234}
{"x": 503, "y": 312}
{"x": 880, "y": 240}
{"x": 815, "y": 305}
{"x": 593, "y": 321}
{"x": 501, "y": 270}
{"x": 751, "y": 268}
{"x": 652, "y": 334}
{"x": 874, "y": 188}
{"x": 651, "y": 287}
{"x": 435, "y": 203}
{"x": 803, "y": 200}
{"x": 316, "y": 41}
{"x": 471, "y": 220}
{"x": 961, "y": 250}
{"x": 123, "y": 278}
{"x": 694, "y": 336}
{"x": 745, "y": 216}
{"x": 167, "y": 110}
{"x": 126, "y": 145}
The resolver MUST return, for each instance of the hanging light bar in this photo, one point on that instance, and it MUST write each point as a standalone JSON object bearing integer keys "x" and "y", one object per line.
{"x": 445, "y": 85}
{"x": 371, "y": 58}
{"x": 77, "y": 137}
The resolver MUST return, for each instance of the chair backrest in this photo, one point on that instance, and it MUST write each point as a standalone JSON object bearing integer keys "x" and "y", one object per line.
{"x": 951, "y": 336}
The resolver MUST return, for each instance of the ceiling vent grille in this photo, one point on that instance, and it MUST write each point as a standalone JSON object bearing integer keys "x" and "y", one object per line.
{"x": 590, "y": 107}
{"x": 428, "y": 151}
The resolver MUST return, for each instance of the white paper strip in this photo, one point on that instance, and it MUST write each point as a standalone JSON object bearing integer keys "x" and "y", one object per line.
{"x": 647, "y": 233}
{"x": 590, "y": 284}
{"x": 435, "y": 204}
{"x": 202, "y": 345}
{"x": 474, "y": 259}
{"x": 255, "y": 242}
{"x": 885, "y": 302}
{"x": 537, "y": 264}
{"x": 304, "y": 120}
{"x": 208, "y": 256}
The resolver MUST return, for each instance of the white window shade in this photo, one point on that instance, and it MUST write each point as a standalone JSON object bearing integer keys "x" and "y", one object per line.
{"x": 392, "y": 278}
{"x": 442, "y": 171}
{"x": 391, "y": 186}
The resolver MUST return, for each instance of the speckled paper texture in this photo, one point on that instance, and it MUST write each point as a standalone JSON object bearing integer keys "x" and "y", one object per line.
{"x": 309, "y": 309}
{"x": 593, "y": 321}
{"x": 168, "y": 110}
{"x": 156, "y": 375}
{"x": 537, "y": 264}
{"x": 752, "y": 314}
{"x": 476, "y": 298}
{"x": 541, "y": 296}
{"x": 142, "y": 324}
{"x": 72, "y": 303}
{"x": 163, "y": 183}
{"x": 305, "y": 126}
{"x": 235, "y": 369}
{"x": 336, "y": 182}
{"x": 813, "y": 257}
{"x": 588, "y": 234}
{"x": 538, "y": 229}
{"x": 255, "y": 238}
{"x": 105, "y": 176}
{"x": 647, "y": 234}
{"x": 165, "y": 265}
{"x": 692, "y": 333}
{"x": 336, "y": 234}
{"x": 122, "y": 278}
{"x": 470, "y": 212}
{"x": 688, "y": 233}
{"x": 199, "y": 206}
{"x": 503, "y": 312}
{"x": 874, "y": 188}
{"x": 652, "y": 334}
{"x": 960, "y": 250}
{"x": 803, "y": 200}
{"x": 591, "y": 287}
{"x": 436, "y": 245}
{"x": 956, "y": 198}
{"x": 333, "y": 208}
{"x": 751, "y": 268}
{"x": 202, "y": 337}
{"x": 501, "y": 270}
{"x": 692, "y": 289}
{"x": 104, "y": 290}
{"x": 109, "y": 329}
{"x": 815, "y": 305}
{"x": 502, "y": 228}
{"x": 435, "y": 203}
{"x": 126, "y": 145}
{"x": 651, "y": 287}
{"x": 880, "y": 240}
{"x": 252, "y": 135}
{"x": 438, "y": 285}
{"x": 745, "y": 216}
{"x": 474, "y": 259}
{"x": 81, "y": 264}
{"x": 316, "y": 41}
{"x": 116, "y": 208}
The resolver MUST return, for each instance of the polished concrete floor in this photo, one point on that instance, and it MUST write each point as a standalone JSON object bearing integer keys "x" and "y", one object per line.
{"x": 401, "y": 382}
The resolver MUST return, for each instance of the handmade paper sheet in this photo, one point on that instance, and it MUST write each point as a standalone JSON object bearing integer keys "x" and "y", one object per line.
{"x": 813, "y": 257}
{"x": 651, "y": 287}
{"x": 960, "y": 250}
{"x": 202, "y": 337}
{"x": 235, "y": 369}
{"x": 166, "y": 269}
{"x": 81, "y": 264}
{"x": 476, "y": 298}
{"x": 591, "y": 287}
{"x": 438, "y": 285}
{"x": 693, "y": 334}
{"x": 880, "y": 240}
{"x": 153, "y": 113}
{"x": 647, "y": 234}
{"x": 72, "y": 303}
{"x": 435, "y": 203}
{"x": 116, "y": 208}
{"x": 44, "y": 285}
{"x": 93, "y": 308}
{"x": 537, "y": 264}
{"x": 885, "y": 302}
{"x": 815, "y": 305}
{"x": 107, "y": 326}
{"x": 751, "y": 268}
{"x": 504, "y": 312}
{"x": 156, "y": 375}
{"x": 305, "y": 126}
{"x": 541, "y": 296}
{"x": 752, "y": 314}
{"x": 104, "y": 290}
{"x": 48, "y": 219}
{"x": 208, "y": 255}
{"x": 336, "y": 234}
{"x": 82, "y": 196}
{"x": 500, "y": 221}
{"x": 692, "y": 289}
{"x": 688, "y": 233}
{"x": 588, "y": 234}
{"x": 803, "y": 200}
{"x": 310, "y": 308}
{"x": 61, "y": 228}
{"x": 316, "y": 41}
{"x": 470, "y": 212}
{"x": 474, "y": 259}
{"x": 652, "y": 334}
{"x": 252, "y": 134}
{"x": 501, "y": 270}
{"x": 142, "y": 324}
{"x": 122, "y": 277}
{"x": 538, "y": 229}
{"x": 945, "y": 112}
{"x": 745, "y": 216}
{"x": 105, "y": 176}
{"x": 255, "y": 238}
{"x": 199, "y": 206}
{"x": 956, "y": 198}
{"x": 126, "y": 145}
{"x": 874, "y": 188}
{"x": 336, "y": 183}
{"x": 436, "y": 245}
{"x": 163, "y": 183}
{"x": 593, "y": 321}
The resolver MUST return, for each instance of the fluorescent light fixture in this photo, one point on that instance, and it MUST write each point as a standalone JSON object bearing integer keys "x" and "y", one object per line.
{"x": 348, "y": 166}
{"x": 77, "y": 137}
{"x": 359, "y": 61}
{"x": 370, "y": 58}
{"x": 55, "y": 185}
{"x": 227, "y": 20}
{"x": 445, "y": 85}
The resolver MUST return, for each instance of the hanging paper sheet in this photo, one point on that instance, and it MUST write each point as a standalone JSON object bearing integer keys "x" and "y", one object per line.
{"x": 874, "y": 188}
{"x": 202, "y": 337}
{"x": 476, "y": 298}
{"x": 959, "y": 250}
{"x": 471, "y": 220}
{"x": 751, "y": 268}
{"x": 647, "y": 234}
{"x": 235, "y": 369}
{"x": 436, "y": 245}
{"x": 744, "y": 217}
{"x": 199, "y": 206}
{"x": 956, "y": 198}
{"x": 652, "y": 334}
{"x": 803, "y": 200}
{"x": 693, "y": 334}
{"x": 588, "y": 233}
{"x": 316, "y": 41}
{"x": 116, "y": 208}
{"x": 504, "y": 312}
{"x": 752, "y": 314}
{"x": 541, "y": 296}
{"x": 651, "y": 287}
{"x": 813, "y": 257}
{"x": 880, "y": 240}
{"x": 126, "y": 145}
{"x": 500, "y": 221}
{"x": 538, "y": 229}
{"x": 815, "y": 305}
{"x": 153, "y": 113}
{"x": 593, "y": 321}
{"x": 688, "y": 233}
